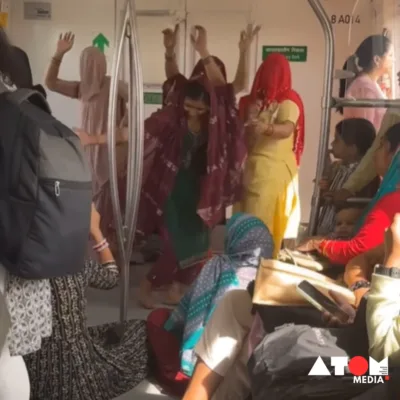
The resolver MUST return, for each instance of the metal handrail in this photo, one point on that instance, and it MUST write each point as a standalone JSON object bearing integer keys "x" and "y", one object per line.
{"x": 326, "y": 106}
{"x": 365, "y": 103}
{"x": 126, "y": 227}
{"x": 359, "y": 200}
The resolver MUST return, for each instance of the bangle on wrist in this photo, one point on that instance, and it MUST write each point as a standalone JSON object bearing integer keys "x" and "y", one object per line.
{"x": 102, "y": 245}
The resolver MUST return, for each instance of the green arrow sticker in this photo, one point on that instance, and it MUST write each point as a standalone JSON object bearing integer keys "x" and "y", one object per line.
{"x": 100, "y": 41}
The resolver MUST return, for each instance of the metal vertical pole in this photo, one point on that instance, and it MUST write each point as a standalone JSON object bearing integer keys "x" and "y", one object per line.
{"x": 136, "y": 143}
{"x": 112, "y": 157}
{"x": 126, "y": 228}
{"x": 326, "y": 107}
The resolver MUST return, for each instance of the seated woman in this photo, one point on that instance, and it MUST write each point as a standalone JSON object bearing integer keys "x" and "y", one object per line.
{"x": 80, "y": 362}
{"x": 247, "y": 240}
{"x": 379, "y": 213}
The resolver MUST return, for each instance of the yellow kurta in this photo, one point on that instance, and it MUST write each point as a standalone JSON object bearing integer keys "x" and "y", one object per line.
{"x": 271, "y": 190}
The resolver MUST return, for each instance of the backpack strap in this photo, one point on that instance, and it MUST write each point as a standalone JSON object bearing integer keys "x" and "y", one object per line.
{"x": 21, "y": 95}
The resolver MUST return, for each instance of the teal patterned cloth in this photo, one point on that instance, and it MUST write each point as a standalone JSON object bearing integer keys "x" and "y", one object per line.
{"x": 390, "y": 184}
{"x": 247, "y": 240}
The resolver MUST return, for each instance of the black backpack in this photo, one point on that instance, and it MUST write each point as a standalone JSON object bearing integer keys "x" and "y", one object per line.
{"x": 45, "y": 190}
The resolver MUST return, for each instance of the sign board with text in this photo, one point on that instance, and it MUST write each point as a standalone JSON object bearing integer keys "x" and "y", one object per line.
{"x": 292, "y": 53}
{"x": 37, "y": 10}
{"x": 152, "y": 98}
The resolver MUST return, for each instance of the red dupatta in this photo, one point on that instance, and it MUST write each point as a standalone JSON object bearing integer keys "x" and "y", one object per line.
{"x": 226, "y": 153}
{"x": 273, "y": 82}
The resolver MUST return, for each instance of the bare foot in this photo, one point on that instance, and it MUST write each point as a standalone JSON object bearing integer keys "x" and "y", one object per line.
{"x": 174, "y": 294}
{"x": 145, "y": 297}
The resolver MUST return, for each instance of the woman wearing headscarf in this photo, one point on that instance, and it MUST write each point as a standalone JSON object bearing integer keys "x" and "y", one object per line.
{"x": 275, "y": 134}
{"x": 93, "y": 91}
{"x": 194, "y": 154}
{"x": 247, "y": 240}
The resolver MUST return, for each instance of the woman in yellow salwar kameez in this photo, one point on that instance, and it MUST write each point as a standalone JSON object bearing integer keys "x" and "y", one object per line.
{"x": 274, "y": 115}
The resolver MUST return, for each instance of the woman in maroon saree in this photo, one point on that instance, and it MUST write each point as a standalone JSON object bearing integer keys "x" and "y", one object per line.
{"x": 194, "y": 156}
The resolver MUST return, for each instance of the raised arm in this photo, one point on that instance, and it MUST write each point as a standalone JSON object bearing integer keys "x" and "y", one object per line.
{"x": 241, "y": 80}
{"x": 170, "y": 41}
{"x": 199, "y": 41}
{"x": 52, "y": 81}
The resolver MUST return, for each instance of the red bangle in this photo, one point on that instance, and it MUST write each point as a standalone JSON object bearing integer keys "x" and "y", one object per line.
{"x": 99, "y": 247}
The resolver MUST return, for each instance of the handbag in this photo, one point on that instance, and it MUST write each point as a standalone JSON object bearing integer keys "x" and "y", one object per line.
{"x": 276, "y": 284}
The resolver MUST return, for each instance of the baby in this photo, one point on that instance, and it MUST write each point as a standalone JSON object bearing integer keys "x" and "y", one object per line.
{"x": 345, "y": 221}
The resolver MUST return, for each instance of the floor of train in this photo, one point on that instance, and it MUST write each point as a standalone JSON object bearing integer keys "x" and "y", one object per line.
{"x": 103, "y": 306}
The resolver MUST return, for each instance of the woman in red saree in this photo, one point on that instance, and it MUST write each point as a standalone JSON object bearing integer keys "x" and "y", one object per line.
{"x": 194, "y": 157}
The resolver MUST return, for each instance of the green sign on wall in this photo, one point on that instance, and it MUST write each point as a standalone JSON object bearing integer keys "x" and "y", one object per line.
{"x": 153, "y": 98}
{"x": 292, "y": 53}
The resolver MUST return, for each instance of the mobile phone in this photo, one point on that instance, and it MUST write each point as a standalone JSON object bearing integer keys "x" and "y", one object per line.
{"x": 320, "y": 301}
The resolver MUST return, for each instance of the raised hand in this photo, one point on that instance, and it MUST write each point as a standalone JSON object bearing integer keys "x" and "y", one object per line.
{"x": 247, "y": 36}
{"x": 171, "y": 38}
{"x": 199, "y": 39}
{"x": 65, "y": 43}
